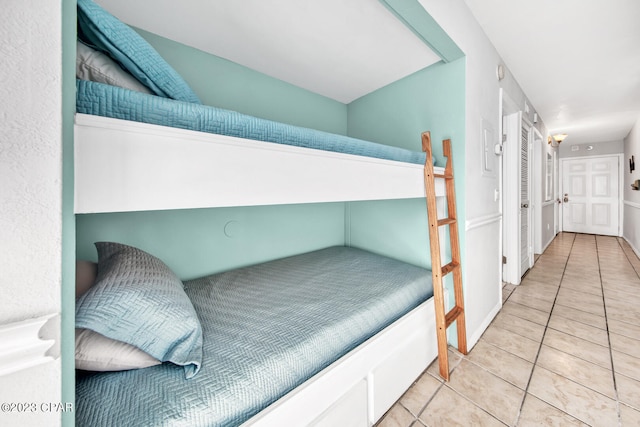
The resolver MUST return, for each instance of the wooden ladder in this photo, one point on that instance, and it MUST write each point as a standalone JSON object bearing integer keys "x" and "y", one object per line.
{"x": 444, "y": 319}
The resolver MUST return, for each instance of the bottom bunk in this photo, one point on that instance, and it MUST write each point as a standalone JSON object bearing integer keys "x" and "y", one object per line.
{"x": 331, "y": 337}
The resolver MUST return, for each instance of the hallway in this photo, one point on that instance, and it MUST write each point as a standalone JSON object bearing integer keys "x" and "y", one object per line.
{"x": 563, "y": 351}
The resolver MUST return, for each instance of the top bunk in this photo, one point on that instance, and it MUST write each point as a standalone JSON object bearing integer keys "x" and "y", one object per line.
{"x": 144, "y": 142}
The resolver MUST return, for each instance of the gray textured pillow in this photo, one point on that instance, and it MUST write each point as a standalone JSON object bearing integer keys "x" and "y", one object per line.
{"x": 138, "y": 300}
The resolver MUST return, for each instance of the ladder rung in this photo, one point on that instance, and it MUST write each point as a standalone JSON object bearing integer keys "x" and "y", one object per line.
{"x": 450, "y": 267}
{"x": 452, "y": 315}
{"x": 446, "y": 221}
{"x": 444, "y": 176}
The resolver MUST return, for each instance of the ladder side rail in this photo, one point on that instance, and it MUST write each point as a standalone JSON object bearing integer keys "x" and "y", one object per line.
{"x": 436, "y": 262}
{"x": 455, "y": 248}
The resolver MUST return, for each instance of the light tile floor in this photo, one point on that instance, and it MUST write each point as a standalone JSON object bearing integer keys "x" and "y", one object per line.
{"x": 563, "y": 351}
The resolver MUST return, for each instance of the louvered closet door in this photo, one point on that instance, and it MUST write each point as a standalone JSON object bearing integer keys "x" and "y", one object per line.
{"x": 526, "y": 250}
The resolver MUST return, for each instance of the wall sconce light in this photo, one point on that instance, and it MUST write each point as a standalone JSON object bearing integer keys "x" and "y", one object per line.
{"x": 556, "y": 139}
{"x": 560, "y": 137}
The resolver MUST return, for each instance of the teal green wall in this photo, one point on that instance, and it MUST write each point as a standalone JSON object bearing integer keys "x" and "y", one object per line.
{"x": 432, "y": 99}
{"x": 225, "y": 84}
{"x": 202, "y": 241}
{"x": 68, "y": 288}
{"x": 197, "y": 242}
{"x": 414, "y": 16}
{"x": 394, "y": 228}
{"x": 193, "y": 241}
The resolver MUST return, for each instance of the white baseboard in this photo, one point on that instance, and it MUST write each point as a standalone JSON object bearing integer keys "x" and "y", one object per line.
{"x": 475, "y": 337}
{"x": 635, "y": 250}
{"x": 635, "y": 206}
{"x": 548, "y": 243}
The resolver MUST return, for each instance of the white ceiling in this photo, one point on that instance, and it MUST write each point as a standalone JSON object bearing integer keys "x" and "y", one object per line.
{"x": 578, "y": 61}
{"x": 339, "y": 49}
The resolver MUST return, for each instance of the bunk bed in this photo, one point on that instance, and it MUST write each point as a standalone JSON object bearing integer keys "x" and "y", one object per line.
{"x": 133, "y": 153}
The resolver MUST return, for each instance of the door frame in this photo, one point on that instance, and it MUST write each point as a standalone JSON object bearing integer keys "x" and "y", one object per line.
{"x": 537, "y": 187}
{"x": 510, "y": 187}
{"x": 511, "y": 211}
{"x": 531, "y": 226}
{"x": 621, "y": 170}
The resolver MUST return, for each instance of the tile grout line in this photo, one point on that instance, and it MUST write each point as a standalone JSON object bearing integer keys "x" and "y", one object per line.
{"x": 626, "y": 255}
{"x": 417, "y": 416}
{"x": 606, "y": 322}
{"x": 443, "y": 385}
{"x": 598, "y": 246}
{"x": 535, "y": 362}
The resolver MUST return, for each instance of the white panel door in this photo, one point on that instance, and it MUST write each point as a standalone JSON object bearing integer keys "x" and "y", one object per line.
{"x": 590, "y": 199}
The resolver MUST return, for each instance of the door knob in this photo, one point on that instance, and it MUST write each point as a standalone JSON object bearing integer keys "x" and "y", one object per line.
{"x": 566, "y": 199}
{"x": 524, "y": 205}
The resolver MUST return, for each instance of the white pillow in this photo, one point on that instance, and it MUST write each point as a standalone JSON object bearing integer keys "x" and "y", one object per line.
{"x": 95, "y": 66}
{"x": 95, "y": 352}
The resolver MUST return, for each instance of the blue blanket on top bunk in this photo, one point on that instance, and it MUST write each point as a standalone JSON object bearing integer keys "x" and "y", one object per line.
{"x": 266, "y": 329}
{"x": 104, "y": 100}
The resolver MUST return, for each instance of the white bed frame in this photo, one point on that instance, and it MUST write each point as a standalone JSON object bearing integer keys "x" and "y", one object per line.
{"x": 125, "y": 166}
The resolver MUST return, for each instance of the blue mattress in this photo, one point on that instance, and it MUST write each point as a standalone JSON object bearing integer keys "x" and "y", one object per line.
{"x": 266, "y": 329}
{"x": 109, "y": 101}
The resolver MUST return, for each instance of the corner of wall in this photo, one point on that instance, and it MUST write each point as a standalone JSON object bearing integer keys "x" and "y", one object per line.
{"x": 631, "y": 199}
{"x": 67, "y": 342}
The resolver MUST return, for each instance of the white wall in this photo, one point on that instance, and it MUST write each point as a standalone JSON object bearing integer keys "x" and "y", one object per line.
{"x": 597, "y": 149}
{"x": 545, "y": 210}
{"x": 483, "y": 212}
{"x": 631, "y": 198}
{"x": 30, "y": 189}
{"x": 482, "y": 279}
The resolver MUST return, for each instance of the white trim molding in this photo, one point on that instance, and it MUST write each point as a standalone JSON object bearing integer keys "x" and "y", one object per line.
{"x": 632, "y": 204}
{"x": 28, "y": 343}
{"x": 627, "y": 238}
{"x": 482, "y": 221}
{"x": 477, "y": 334}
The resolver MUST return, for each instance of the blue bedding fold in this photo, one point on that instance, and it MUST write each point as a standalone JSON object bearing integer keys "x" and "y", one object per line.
{"x": 266, "y": 330}
{"x": 103, "y": 100}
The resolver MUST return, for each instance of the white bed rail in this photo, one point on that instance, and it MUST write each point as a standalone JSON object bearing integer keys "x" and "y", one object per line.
{"x": 125, "y": 166}
{"x": 359, "y": 388}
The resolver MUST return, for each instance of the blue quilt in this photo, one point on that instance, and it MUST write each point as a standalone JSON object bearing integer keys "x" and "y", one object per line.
{"x": 266, "y": 330}
{"x": 109, "y": 101}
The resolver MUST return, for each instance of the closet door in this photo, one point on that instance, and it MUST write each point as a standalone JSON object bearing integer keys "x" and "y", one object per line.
{"x": 517, "y": 233}
{"x": 526, "y": 240}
